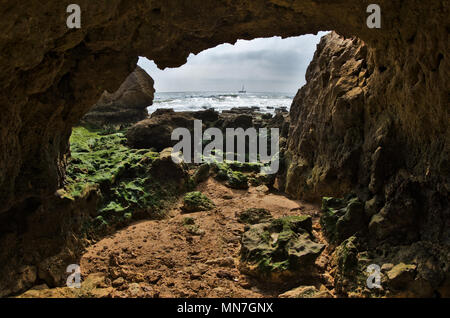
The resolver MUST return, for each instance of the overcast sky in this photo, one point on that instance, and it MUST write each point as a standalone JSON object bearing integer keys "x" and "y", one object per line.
{"x": 262, "y": 65}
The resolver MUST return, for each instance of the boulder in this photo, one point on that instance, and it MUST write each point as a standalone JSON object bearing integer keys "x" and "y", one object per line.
{"x": 237, "y": 180}
{"x": 196, "y": 202}
{"x": 243, "y": 121}
{"x": 401, "y": 275}
{"x": 165, "y": 168}
{"x": 254, "y": 216}
{"x": 342, "y": 218}
{"x": 156, "y": 132}
{"x": 125, "y": 107}
{"x": 201, "y": 174}
{"x": 279, "y": 250}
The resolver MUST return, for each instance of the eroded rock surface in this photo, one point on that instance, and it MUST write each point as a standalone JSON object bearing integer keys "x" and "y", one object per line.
{"x": 349, "y": 135}
{"x": 127, "y": 106}
{"x": 280, "y": 250}
{"x": 351, "y": 132}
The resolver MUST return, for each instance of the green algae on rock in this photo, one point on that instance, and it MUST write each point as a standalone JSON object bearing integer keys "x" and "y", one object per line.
{"x": 191, "y": 227}
{"x": 196, "y": 202}
{"x": 201, "y": 174}
{"x": 280, "y": 249}
{"x": 237, "y": 180}
{"x": 126, "y": 178}
{"x": 342, "y": 218}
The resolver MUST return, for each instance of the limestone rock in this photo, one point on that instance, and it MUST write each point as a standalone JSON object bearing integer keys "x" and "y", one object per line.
{"x": 201, "y": 174}
{"x": 279, "y": 250}
{"x": 156, "y": 132}
{"x": 401, "y": 275}
{"x": 254, "y": 216}
{"x": 92, "y": 287}
{"x": 342, "y": 218}
{"x": 196, "y": 202}
{"x": 127, "y": 106}
{"x": 307, "y": 292}
{"x": 169, "y": 166}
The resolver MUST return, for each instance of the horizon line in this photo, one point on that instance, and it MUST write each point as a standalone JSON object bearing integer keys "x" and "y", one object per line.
{"x": 223, "y": 91}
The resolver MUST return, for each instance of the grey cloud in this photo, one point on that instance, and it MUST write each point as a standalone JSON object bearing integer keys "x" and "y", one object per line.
{"x": 263, "y": 65}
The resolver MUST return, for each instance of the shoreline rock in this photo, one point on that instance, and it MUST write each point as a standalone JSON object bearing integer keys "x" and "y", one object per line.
{"x": 125, "y": 107}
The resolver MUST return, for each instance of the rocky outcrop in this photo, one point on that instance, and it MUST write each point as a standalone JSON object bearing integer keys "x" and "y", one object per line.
{"x": 280, "y": 250}
{"x": 108, "y": 186}
{"x": 156, "y": 131}
{"x": 126, "y": 106}
{"x": 327, "y": 121}
{"x": 348, "y": 139}
{"x": 349, "y": 135}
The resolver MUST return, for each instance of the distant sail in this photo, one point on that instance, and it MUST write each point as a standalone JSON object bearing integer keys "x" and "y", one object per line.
{"x": 243, "y": 91}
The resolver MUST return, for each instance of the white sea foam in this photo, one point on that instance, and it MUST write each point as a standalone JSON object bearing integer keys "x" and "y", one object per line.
{"x": 220, "y": 101}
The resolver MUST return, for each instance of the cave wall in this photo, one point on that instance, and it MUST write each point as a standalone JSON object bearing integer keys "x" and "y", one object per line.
{"x": 380, "y": 130}
{"x": 50, "y": 76}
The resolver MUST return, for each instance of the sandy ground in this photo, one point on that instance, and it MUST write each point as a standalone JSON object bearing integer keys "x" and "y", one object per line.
{"x": 161, "y": 259}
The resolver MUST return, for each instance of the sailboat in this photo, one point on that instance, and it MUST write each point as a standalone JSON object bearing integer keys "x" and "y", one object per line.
{"x": 242, "y": 91}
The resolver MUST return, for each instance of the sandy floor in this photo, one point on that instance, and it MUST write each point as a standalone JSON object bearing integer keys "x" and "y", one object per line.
{"x": 161, "y": 259}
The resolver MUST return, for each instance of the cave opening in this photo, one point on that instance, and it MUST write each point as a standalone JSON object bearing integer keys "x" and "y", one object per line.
{"x": 112, "y": 141}
{"x": 124, "y": 172}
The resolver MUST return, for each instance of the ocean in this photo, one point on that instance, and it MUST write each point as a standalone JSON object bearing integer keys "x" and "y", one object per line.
{"x": 220, "y": 101}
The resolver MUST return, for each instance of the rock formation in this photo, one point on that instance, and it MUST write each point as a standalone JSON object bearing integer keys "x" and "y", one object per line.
{"x": 393, "y": 146}
{"x": 156, "y": 132}
{"x": 126, "y": 106}
{"x": 346, "y": 137}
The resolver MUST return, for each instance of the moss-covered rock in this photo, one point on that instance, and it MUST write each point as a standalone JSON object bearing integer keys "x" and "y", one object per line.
{"x": 296, "y": 223}
{"x": 196, "y": 202}
{"x": 279, "y": 249}
{"x": 237, "y": 180}
{"x": 221, "y": 170}
{"x": 191, "y": 227}
{"x": 342, "y": 218}
{"x": 131, "y": 183}
{"x": 347, "y": 256}
{"x": 349, "y": 276}
{"x": 201, "y": 174}
{"x": 262, "y": 179}
{"x": 254, "y": 216}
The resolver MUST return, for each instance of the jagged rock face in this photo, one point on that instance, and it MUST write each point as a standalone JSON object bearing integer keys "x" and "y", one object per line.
{"x": 126, "y": 106}
{"x": 351, "y": 131}
{"x": 327, "y": 118}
